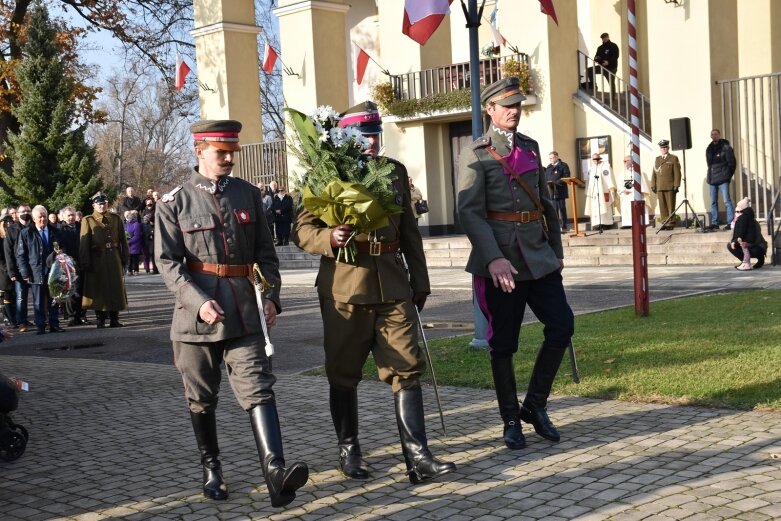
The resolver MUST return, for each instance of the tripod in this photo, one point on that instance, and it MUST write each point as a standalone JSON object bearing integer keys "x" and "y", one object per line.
{"x": 686, "y": 206}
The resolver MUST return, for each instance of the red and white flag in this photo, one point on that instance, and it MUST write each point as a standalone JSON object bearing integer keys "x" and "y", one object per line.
{"x": 360, "y": 65}
{"x": 422, "y": 18}
{"x": 546, "y": 6}
{"x": 182, "y": 70}
{"x": 269, "y": 59}
{"x": 498, "y": 38}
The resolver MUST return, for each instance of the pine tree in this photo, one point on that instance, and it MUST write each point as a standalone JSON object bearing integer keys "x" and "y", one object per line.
{"x": 52, "y": 163}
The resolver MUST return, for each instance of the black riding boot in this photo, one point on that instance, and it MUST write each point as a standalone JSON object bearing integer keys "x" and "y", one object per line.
{"x": 101, "y": 319}
{"x": 114, "y": 319}
{"x": 421, "y": 464}
{"x": 282, "y": 483}
{"x": 344, "y": 413}
{"x": 205, "y": 428}
{"x": 533, "y": 410}
{"x": 507, "y": 396}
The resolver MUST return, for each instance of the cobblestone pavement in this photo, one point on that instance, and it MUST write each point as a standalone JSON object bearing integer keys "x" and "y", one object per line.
{"x": 111, "y": 439}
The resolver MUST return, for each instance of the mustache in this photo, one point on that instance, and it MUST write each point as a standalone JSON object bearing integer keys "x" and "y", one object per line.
{"x": 226, "y": 164}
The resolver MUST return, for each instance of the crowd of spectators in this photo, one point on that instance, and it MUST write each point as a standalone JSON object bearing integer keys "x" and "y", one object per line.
{"x": 30, "y": 237}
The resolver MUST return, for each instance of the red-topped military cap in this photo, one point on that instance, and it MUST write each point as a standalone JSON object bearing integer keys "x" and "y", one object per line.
{"x": 364, "y": 116}
{"x": 220, "y": 133}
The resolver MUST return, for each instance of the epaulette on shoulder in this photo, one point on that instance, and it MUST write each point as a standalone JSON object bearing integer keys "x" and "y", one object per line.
{"x": 481, "y": 142}
{"x": 167, "y": 198}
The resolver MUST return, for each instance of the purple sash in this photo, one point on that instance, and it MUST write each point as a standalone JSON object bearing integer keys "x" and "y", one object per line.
{"x": 522, "y": 161}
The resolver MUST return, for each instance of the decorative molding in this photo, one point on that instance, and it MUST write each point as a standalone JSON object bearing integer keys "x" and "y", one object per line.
{"x": 310, "y": 5}
{"x": 227, "y": 27}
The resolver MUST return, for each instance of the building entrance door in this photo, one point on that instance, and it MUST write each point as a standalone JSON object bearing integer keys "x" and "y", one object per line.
{"x": 460, "y": 138}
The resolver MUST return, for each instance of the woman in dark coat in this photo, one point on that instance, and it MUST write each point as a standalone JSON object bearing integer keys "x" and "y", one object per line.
{"x": 7, "y": 299}
{"x": 283, "y": 215}
{"x": 134, "y": 231}
{"x": 747, "y": 232}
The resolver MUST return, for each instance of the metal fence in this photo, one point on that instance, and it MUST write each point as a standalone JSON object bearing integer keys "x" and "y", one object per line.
{"x": 751, "y": 121}
{"x": 262, "y": 162}
{"x": 449, "y": 78}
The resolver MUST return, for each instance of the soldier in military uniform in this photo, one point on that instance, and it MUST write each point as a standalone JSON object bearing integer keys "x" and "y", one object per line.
{"x": 367, "y": 307}
{"x": 516, "y": 257}
{"x": 209, "y": 233}
{"x": 103, "y": 255}
{"x": 665, "y": 181}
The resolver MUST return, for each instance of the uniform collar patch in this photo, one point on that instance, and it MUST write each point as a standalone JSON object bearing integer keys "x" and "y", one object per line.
{"x": 242, "y": 216}
{"x": 215, "y": 187}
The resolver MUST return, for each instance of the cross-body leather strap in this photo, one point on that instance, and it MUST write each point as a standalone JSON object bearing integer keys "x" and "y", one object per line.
{"x": 515, "y": 175}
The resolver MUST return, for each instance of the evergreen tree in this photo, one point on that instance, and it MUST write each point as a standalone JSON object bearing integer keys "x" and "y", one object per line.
{"x": 52, "y": 163}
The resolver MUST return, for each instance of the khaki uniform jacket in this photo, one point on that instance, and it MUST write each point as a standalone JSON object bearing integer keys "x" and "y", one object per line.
{"x": 373, "y": 279}
{"x": 103, "y": 268}
{"x": 482, "y": 187}
{"x": 227, "y": 227}
{"x": 667, "y": 173}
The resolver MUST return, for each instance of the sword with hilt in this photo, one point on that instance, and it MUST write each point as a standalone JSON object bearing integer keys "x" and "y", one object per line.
{"x": 261, "y": 284}
{"x": 574, "y": 363}
{"x": 425, "y": 347}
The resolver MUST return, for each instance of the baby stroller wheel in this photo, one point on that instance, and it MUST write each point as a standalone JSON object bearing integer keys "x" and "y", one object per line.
{"x": 21, "y": 429}
{"x": 13, "y": 445}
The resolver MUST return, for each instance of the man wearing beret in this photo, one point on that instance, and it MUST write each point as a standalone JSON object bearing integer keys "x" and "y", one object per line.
{"x": 209, "y": 233}
{"x": 517, "y": 257}
{"x": 665, "y": 182}
{"x": 103, "y": 255}
{"x": 368, "y": 307}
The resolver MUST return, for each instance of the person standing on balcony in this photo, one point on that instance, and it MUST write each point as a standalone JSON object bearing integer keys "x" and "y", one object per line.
{"x": 721, "y": 167}
{"x": 516, "y": 259}
{"x": 606, "y": 59}
{"x": 557, "y": 188}
{"x": 665, "y": 182}
{"x": 367, "y": 307}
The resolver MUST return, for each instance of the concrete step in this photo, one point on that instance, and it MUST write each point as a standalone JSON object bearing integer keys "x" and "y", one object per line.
{"x": 610, "y": 248}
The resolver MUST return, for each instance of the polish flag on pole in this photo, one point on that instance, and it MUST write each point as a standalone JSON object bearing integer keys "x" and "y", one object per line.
{"x": 269, "y": 59}
{"x": 422, "y": 17}
{"x": 182, "y": 70}
{"x": 360, "y": 65}
{"x": 498, "y": 38}
{"x": 546, "y": 6}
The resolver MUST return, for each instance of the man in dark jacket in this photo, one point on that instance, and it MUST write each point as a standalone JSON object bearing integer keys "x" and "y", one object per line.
{"x": 557, "y": 188}
{"x": 282, "y": 206}
{"x": 35, "y": 245}
{"x": 721, "y": 167}
{"x": 606, "y": 58}
{"x": 130, "y": 202}
{"x": 69, "y": 241}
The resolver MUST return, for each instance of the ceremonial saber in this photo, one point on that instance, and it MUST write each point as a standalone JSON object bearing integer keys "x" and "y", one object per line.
{"x": 426, "y": 350}
{"x": 574, "y": 363}
{"x": 259, "y": 283}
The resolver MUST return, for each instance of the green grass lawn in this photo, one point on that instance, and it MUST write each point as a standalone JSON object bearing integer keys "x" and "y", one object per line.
{"x": 721, "y": 350}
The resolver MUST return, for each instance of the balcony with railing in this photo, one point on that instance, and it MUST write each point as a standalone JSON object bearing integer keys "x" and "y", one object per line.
{"x": 451, "y": 78}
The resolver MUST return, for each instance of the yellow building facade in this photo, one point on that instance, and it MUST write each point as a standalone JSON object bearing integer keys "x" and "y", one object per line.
{"x": 685, "y": 49}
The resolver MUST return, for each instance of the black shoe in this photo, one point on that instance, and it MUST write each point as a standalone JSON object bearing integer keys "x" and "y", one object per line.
{"x": 760, "y": 262}
{"x": 101, "y": 325}
{"x": 115, "y": 323}
{"x": 205, "y": 429}
{"x": 56, "y": 329}
{"x": 506, "y": 395}
{"x": 542, "y": 424}
{"x": 344, "y": 413}
{"x": 513, "y": 435}
{"x": 40, "y": 331}
{"x": 727, "y": 227}
{"x": 73, "y": 322}
{"x": 714, "y": 226}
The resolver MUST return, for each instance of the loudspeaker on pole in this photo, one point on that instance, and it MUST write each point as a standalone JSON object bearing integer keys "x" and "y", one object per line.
{"x": 680, "y": 134}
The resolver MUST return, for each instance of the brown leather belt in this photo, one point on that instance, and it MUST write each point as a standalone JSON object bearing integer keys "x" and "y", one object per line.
{"x": 220, "y": 270}
{"x": 105, "y": 246}
{"x": 377, "y": 248}
{"x": 518, "y": 217}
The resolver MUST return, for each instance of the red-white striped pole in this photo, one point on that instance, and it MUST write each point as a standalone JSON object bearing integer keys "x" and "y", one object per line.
{"x": 639, "y": 245}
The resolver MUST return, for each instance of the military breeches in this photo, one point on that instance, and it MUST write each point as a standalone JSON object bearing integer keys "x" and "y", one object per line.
{"x": 666, "y": 203}
{"x": 388, "y": 331}
{"x": 504, "y": 312}
{"x": 245, "y": 361}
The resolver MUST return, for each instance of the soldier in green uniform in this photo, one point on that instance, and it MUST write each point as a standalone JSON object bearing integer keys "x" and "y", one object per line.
{"x": 516, "y": 257}
{"x": 665, "y": 181}
{"x": 209, "y": 233}
{"x": 103, "y": 255}
{"x": 367, "y": 307}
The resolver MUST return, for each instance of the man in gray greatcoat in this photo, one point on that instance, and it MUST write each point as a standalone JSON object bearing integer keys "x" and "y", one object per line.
{"x": 209, "y": 233}
{"x": 517, "y": 257}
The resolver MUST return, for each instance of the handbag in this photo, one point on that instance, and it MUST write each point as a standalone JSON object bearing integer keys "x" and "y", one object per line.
{"x": 421, "y": 207}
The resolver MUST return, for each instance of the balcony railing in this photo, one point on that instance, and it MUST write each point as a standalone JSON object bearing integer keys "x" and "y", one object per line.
{"x": 450, "y": 78}
{"x": 612, "y": 92}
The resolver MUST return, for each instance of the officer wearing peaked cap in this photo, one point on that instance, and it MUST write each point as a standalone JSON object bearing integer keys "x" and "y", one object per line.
{"x": 517, "y": 257}
{"x": 209, "y": 233}
{"x": 367, "y": 307}
{"x": 103, "y": 255}
{"x": 665, "y": 181}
